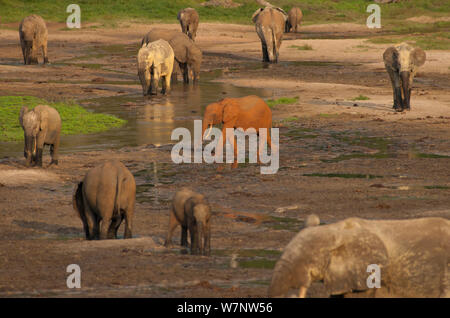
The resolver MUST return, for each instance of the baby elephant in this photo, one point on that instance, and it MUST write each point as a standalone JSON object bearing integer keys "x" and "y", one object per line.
{"x": 191, "y": 210}
{"x": 41, "y": 126}
{"x": 104, "y": 198}
{"x": 155, "y": 60}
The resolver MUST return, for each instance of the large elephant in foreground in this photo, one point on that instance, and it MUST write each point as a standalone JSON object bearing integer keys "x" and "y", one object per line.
{"x": 401, "y": 63}
{"x": 245, "y": 112}
{"x": 270, "y": 23}
{"x": 188, "y": 56}
{"x": 41, "y": 126}
{"x": 104, "y": 198}
{"x": 33, "y": 37}
{"x": 413, "y": 257}
{"x": 189, "y": 18}
{"x": 155, "y": 61}
{"x": 191, "y": 210}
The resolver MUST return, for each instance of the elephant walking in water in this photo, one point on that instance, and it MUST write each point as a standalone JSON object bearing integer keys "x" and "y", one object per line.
{"x": 401, "y": 63}
{"x": 104, "y": 198}
{"x": 270, "y": 23}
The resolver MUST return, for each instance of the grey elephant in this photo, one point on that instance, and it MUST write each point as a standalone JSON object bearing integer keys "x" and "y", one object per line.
{"x": 188, "y": 56}
{"x": 155, "y": 61}
{"x": 294, "y": 19}
{"x": 189, "y": 22}
{"x": 270, "y": 22}
{"x": 33, "y": 37}
{"x": 401, "y": 62}
{"x": 41, "y": 126}
{"x": 192, "y": 211}
{"x": 104, "y": 198}
{"x": 412, "y": 256}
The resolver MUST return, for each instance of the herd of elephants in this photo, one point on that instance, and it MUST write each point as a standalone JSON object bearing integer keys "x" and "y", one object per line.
{"x": 413, "y": 255}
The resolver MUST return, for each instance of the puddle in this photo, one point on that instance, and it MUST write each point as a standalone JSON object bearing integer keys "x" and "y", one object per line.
{"x": 150, "y": 119}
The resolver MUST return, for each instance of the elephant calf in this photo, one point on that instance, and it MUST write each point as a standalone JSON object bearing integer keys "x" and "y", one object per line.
{"x": 192, "y": 211}
{"x": 401, "y": 63}
{"x": 41, "y": 126}
{"x": 104, "y": 198}
{"x": 155, "y": 60}
{"x": 33, "y": 37}
{"x": 412, "y": 255}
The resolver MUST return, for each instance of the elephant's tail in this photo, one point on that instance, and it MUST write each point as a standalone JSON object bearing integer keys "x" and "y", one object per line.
{"x": 274, "y": 45}
{"x": 119, "y": 183}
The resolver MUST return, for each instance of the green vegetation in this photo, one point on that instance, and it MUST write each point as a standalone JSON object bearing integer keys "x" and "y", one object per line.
{"x": 437, "y": 187}
{"x": 75, "y": 119}
{"x": 361, "y": 97}
{"x": 258, "y": 263}
{"x": 433, "y": 41}
{"x": 314, "y": 11}
{"x": 281, "y": 101}
{"x": 305, "y": 47}
{"x": 429, "y": 155}
{"x": 342, "y": 175}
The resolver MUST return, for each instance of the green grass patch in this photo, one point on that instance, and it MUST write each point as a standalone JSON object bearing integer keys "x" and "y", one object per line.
{"x": 342, "y": 175}
{"x": 437, "y": 187}
{"x": 315, "y": 11}
{"x": 361, "y": 97}
{"x": 75, "y": 119}
{"x": 432, "y": 41}
{"x": 281, "y": 101}
{"x": 258, "y": 263}
{"x": 305, "y": 47}
{"x": 429, "y": 155}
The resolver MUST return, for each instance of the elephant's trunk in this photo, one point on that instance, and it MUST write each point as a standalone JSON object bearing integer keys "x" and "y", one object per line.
{"x": 205, "y": 126}
{"x": 282, "y": 280}
{"x": 406, "y": 89}
{"x": 200, "y": 235}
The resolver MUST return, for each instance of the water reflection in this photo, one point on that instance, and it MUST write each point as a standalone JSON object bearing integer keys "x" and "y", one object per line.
{"x": 150, "y": 119}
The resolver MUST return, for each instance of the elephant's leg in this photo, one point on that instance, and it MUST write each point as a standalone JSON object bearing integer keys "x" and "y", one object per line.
{"x": 115, "y": 224}
{"x": 129, "y": 222}
{"x": 184, "y": 241}
{"x": 193, "y": 231}
{"x": 302, "y": 292}
{"x": 104, "y": 227}
{"x": 91, "y": 220}
{"x": 54, "y": 151}
{"x": 44, "y": 53}
{"x": 173, "y": 223}
{"x": 233, "y": 141}
{"x": 164, "y": 85}
{"x": 39, "y": 152}
{"x": 395, "y": 82}
{"x": 185, "y": 73}
{"x": 264, "y": 52}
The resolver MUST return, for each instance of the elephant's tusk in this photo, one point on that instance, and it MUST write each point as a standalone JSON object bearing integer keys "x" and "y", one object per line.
{"x": 209, "y": 131}
{"x": 302, "y": 293}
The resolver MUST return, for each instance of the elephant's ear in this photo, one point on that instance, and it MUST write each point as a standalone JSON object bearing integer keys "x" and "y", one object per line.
{"x": 418, "y": 57}
{"x": 230, "y": 111}
{"x": 390, "y": 57}
{"x": 23, "y": 111}
{"x": 255, "y": 15}
{"x": 43, "y": 119}
{"x": 347, "y": 267}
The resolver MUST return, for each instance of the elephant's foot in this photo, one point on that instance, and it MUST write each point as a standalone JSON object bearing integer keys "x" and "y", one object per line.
{"x": 46, "y": 61}
{"x": 54, "y": 162}
{"x": 397, "y": 108}
{"x": 234, "y": 165}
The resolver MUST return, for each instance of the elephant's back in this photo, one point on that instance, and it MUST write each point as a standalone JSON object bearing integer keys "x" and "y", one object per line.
{"x": 33, "y": 24}
{"x": 295, "y": 15}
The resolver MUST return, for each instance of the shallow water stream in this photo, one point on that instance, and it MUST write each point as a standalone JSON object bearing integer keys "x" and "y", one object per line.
{"x": 150, "y": 119}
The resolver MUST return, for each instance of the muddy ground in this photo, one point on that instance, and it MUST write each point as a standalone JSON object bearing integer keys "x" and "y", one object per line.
{"x": 339, "y": 157}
